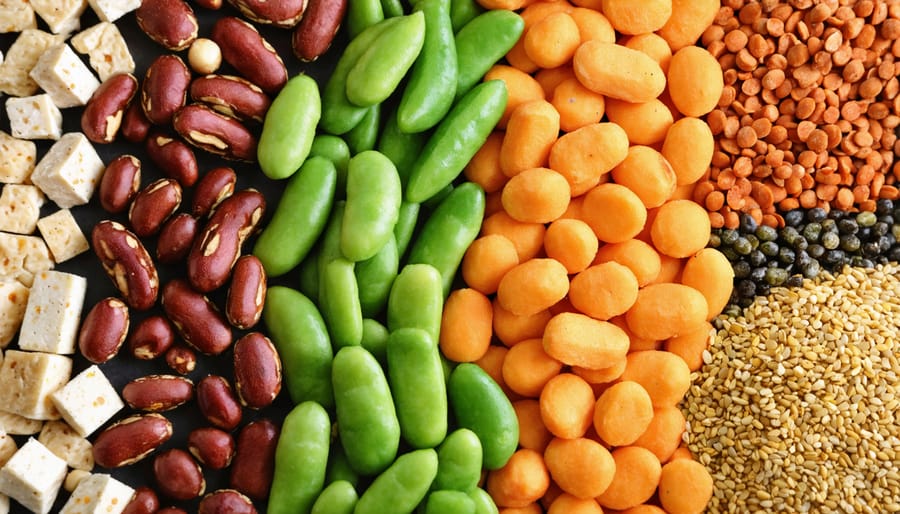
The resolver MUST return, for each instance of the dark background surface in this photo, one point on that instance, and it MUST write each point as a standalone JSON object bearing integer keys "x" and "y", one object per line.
{"x": 124, "y": 368}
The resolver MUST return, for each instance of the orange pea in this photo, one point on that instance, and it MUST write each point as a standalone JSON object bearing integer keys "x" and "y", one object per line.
{"x": 690, "y": 345}
{"x": 681, "y": 228}
{"x": 532, "y": 432}
{"x": 549, "y": 78}
{"x": 572, "y": 243}
{"x": 663, "y": 434}
{"x": 577, "y": 105}
{"x": 567, "y": 405}
{"x": 585, "y": 154}
{"x": 601, "y": 376}
{"x": 635, "y": 480}
{"x": 603, "y": 291}
{"x": 653, "y": 45}
{"x": 579, "y": 340}
{"x": 569, "y": 504}
{"x": 521, "y": 481}
{"x": 689, "y": 146}
{"x": 592, "y": 24}
{"x": 484, "y": 168}
{"x": 614, "y": 212}
{"x": 527, "y": 368}
{"x": 552, "y": 41}
{"x": 492, "y": 363}
{"x": 617, "y": 71}
{"x": 629, "y": 17}
{"x": 666, "y": 310}
{"x": 581, "y": 467}
{"x": 710, "y": 272}
{"x": 643, "y": 261}
{"x": 647, "y": 173}
{"x": 532, "y": 129}
{"x": 664, "y": 376}
{"x": 486, "y": 260}
{"x": 622, "y": 413}
{"x": 527, "y": 238}
{"x": 688, "y": 21}
{"x": 533, "y": 286}
{"x": 511, "y": 329}
{"x": 695, "y": 81}
{"x": 645, "y": 123}
{"x": 536, "y": 195}
{"x": 466, "y": 325}
{"x": 520, "y": 87}
{"x": 685, "y": 487}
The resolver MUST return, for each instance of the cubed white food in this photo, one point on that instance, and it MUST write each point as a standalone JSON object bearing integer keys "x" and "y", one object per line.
{"x": 70, "y": 171}
{"x": 16, "y": 16}
{"x": 106, "y": 49}
{"x": 17, "y": 159}
{"x": 13, "y": 299}
{"x": 98, "y": 494}
{"x": 20, "y": 58}
{"x": 62, "y": 16}
{"x": 22, "y": 257}
{"x": 68, "y": 81}
{"x": 67, "y": 444}
{"x": 112, "y": 10}
{"x": 19, "y": 425}
{"x": 20, "y": 208}
{"x": 88, "y": 401}
{"x": 63, "y": 235}
{"x": 34, "y": 117}
{"x": 33, "y": 477}
{"x": 53, "y": 313}
{"x": 27, "y": 379}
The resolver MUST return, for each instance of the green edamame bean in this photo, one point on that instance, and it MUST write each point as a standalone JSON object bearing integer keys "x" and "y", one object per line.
{"x": 449, "y": 502}
{"x": 298, "y": 331}
{"x": 417, "y": 382}
{"x": 366, "y": 417}
{"x": 330, "y": 240}
{"x": 289, "y": 127}
{"x": 362, "y": 14}
{"x": 338, "y": 498}
{"x": 483, "y": 41}
{"x": 459, "y": 461}
{"x": 400, "y": 147}
{"x": 456, "y": 139}
{"x": 364, "y": 135}
{"x": 301, "y": 457}
{"x": 334, "y": 149}
{"x": 373, "y": 204}
{"x": 431, "y": 88}
{"x": 309, "y": 275}
{"x": 416, "y": 300}
{"x": 402, "y": 486}
{"x": 436, "y": 199}
{"x": 375, "y": 276}
{"x": 339, "y": 301}
{"x": 480, "y": 405}
{"x": 379, "y": 70}
{"x": 484, "y": 504}
{"x": 448, "y": 232}
{"x": 392, "y": 8}
{"x": 299, "y": 218}
{"x": 462, "y": 12}
{"x": 339, "y": 467}
{"x": 375, "y": 338}
{"x": 407, "y": 219}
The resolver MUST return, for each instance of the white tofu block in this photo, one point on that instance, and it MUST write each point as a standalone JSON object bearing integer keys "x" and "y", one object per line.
{"x": 88, "y": 401}
{"x": 112, "y": 10}
{"x": 7, "y": 447}
{"x": 53, "y": 313}
{"x": 98, "y": 494}
{"x": 27, "y": 379}
{"x": 68, "y": 445}
{"x": 70, "y": 171}
{"x": 20, "y": 208}
{"x": 17, "y": 159}
{"x": 33, "y": 477}
{"x": 19, "y": 425}
{"x": 62, "y": 16}
{"x": 63, "y": 235}
{"x": 16, "y": 16}
{"x": 106, "y": 49}
{"x": 22, "y": 257}
{"x": 34, "y": 117}
{"x": 20, "y": 58}
{"x": 68, "y": 81}
{"x": 13, "y": 299}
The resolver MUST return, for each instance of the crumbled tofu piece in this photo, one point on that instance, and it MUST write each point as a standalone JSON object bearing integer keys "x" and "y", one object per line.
{"x": 88, "y": 401}
{"x": 17, "y": 159}
{"x": 34, "y": 117}
{"x": 63, "y": 235}
{"x": 62, "y": 16}
{"x": 18, "y": 425}
{"x": 4, "y": 504}
{"x": 68, "y": 445}
{"x": 27, "y": 379}
{"x": 70, "y": 171}
{"x": 74, "y": 478}
{"x": 20, "y": 208}
{"x": 13, "y": 299}
{"x": 22, "y": 257}
{"x": 33, "y": 477}
{"x": 20, "y": 58}
{"x": 16, "y": 16}
{"x": 68, "y": 81}
{"x": 112, "y": 10}
{"x": 7, "y": 447}
{"x": 106, "y": 49}
{"x": 53, "y": 313}
{"x": 96, "y": 494}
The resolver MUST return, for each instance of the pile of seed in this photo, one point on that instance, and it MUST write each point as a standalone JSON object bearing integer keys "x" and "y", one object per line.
{"x": 796, "y": 407}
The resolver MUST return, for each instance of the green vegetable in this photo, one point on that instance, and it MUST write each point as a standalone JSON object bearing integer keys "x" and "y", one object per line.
{"x": 402, "y": 486}
{"x": 301, "y": 458}
{"x": 364, "y": 135}
{"x": 375, "y": 276}
{"x": 373, "y": 204}
{"x": 338, "y": 498}
{"x": 483, "y": 41}
{"x": 416, "y": 300}
{"x": 289, "y": 127}
{"x": 339, "y": 302}
{"x": 459, "y": 461}
{"x": 449, "y": 502}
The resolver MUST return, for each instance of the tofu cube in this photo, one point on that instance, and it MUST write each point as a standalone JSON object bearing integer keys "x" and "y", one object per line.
{"x": 16, "y": 16}
{"x": 70, "y": 171}
{"x": 62, "y": 16}
{"x": 63, "y": 235}
{"x": 88, "y": 401}
{"x": 13, "y": 299}
{"x": 34, "y": 117}
{"x": 68, "y": 81}
{"x": 20, "y": 58}
{"x": 106, "y": 49}
{"x": 53, "y": 313}
{"x": 17, "y": 159}
{"x": 22, "y": 257}
{"x": 27, "y": 379}
{"x": 68, "y": 445}
{"x": 20, "y": 208}
{"x": 33, "y": 477}
{"x": 112, "y": 10}
{"x": 7, "y": 447}
{"x": 18, "y": 425}
{"x": 98, "y": 494}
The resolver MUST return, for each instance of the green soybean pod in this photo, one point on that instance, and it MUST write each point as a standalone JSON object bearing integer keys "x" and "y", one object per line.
{"x": 339, "y": 467}
{"x": 366, "y": 416}
{"x": 459, "y": 461}
{"x": 416, "y": 300}
{"x": 482, "y": 42}
{"x": 479, "y": 404}
{"x": 339, "y": 301}
{"x": 289, "y": 127}
{"x": 299, "y": 218}
{"x": 456, "y": 139}
{"x": 301, "y": 458}
{"x": 379, "y": 70}
{"x": 417, "y": 382}
{"x": 392, "y": 8}
{"x": 462, "y": 12}
{"x": 373, "y": 205}
{"x": 431, "y": 88}
{"x": 484, "y": 504}
{"x": 309, "y": 275}
{"x": 375, "y": 275}
{"x": 400, "y": 147}
{"x": 449, "y": 502}
{"x": 336, "y": 150}
{"x": 362, "y": 14}
{"x": 338, "y": 497}
{"x": 330, "y": 240}
{"x": 448, "y": 232}
{"x": 407, "y": 220}
{"x": 298, "y": 331}
{"x": 364, "y": 135}
{"x": 375, "y": 338}
{"x": 402, "y": 486}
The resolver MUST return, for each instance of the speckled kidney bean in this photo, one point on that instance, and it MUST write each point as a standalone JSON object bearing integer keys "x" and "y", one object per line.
{"x": 213, "y": 187}
{"x": 153, "y": 205}
{"x": 174, "y": 158}
{"x": 164, "y": 89}
{"x": 257, "y": 370}
{"x": 213, "y": 447}
{"x": 254, "y": 460}
{"x": 195, "y": 317}
{"x": 103, "y": 330}
{"x": 151, "y": 337}
{"x": 176, "y": 237}
{"x": 120, "y": 182}
{"x": 178, "y": 476}
{"x": 217, "y": 402}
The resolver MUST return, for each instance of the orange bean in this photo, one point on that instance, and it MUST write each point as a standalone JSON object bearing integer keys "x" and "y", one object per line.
{"x": 690, "y": 345}
{"x": 643, "y": 509}
{"x": 527, "y": 368}
{"x": 681, "y": 228}
{"x": 600, "y": 376}
{"x": 710, "y": 272}
{"x": 587, "y": 153}
{"x": 666, "y": 310}
{"x": 689, "y": 19}
{"x": 511, "y": 329}
{"x": 682, "y": 452}
{"x": 521, "y": 481}
{"x": 581, "y": 467}
{"x": 532, "y": 129}
{"x": 536, "y": 195}
{"x": 466, "y": 325}
{"x": 614, "y": 212}
{"x": 486, "y": 260}
{"x": 663, "y": 434}
{"x": 532, "y": 432}
{"x": 550, "y": 78}
{"x": 567, "y": 405}
{"x": 569, "y": 504}
{"x": 629, "y": 17}
{"x": 653, "y": 45}
{"x": 484, "y": 168}
{"x": 619, "y": 72}
{"x": 669, "y": 269}
{"x": 648, "y": 174}
{"x": 527, "y": 238}
{"x": 604, "y": 290}
{"x": 577, "y": 105}
{"x": 492, "y": 363}
{"x": 664, "y": 376}
{"x": 592, "y": 24}
{"x": 533, "y": 286}
{"x": 511, "y": 5}
{"x": 695, "y": 81}
{"x": 520, "y": 87}
{"x": 635, "y": 480}
{"x": 641, "y": 258}
{"x": 645, "y": 123}
{"x": 685, "y": 487}
{"x": 635, "y": 344}
{"x": 572, "y": 242}
{"x": 622, "y": 413}
{"x": 552, "y": 41}
{"x": 531, "y": 508}
{"x": 518, "y": 59}
{"x": 579, "y": 340}
{"x": 492, "y": 203}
